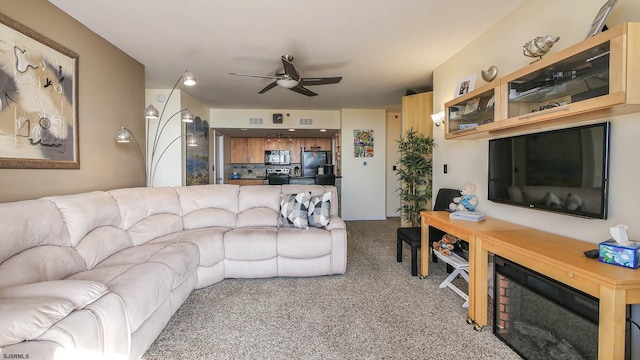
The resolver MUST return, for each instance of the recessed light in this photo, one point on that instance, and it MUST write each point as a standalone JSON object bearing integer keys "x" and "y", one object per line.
{"x": 323, "y": 130}
{"x": 292, "y": 130}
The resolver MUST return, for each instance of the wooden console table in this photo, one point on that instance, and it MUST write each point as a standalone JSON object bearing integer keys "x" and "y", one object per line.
{"x": 558, "y": 257}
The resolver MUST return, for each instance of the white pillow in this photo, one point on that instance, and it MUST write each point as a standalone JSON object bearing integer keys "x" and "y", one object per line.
{"x": 294, "y": 209}
{"x": 26, "y": 319}
{"x": 319, "y": 210}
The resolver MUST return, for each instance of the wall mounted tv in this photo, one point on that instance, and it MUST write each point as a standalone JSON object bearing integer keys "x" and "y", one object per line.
{"x": 564, "y": 170}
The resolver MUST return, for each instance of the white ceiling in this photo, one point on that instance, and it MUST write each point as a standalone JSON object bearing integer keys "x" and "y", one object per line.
{"x": 380, "y": 47}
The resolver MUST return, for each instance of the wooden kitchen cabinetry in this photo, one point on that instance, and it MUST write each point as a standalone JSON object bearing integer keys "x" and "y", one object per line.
{"x": 247, "y": 150}
{"x": 255, "y": 150}
{"x": 251, "y": 150}
{"x": 239, "y": 148}
{"x": 295, "y": 146}
{"x": 317, "y": 144}
{"x": 593, "y": 79}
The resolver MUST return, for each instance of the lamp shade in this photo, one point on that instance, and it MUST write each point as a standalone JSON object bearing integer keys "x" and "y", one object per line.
{"x": 188, "y": 79}
{"x": 191, "y": 140}
{"x": 187, "y": 116}
{"x": 123, "y": 136}
{"x": 151, "y": 112}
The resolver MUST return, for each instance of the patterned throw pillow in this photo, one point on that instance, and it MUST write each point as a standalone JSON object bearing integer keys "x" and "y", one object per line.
{"x": 319, "y": 209}
{"x": 294, "y": 210}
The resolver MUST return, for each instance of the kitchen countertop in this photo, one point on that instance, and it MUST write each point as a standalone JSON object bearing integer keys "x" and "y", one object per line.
{"x": 265, "y": 178}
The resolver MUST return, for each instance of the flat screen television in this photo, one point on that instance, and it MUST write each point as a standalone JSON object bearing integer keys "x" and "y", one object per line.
{"x": 564, "y": 171}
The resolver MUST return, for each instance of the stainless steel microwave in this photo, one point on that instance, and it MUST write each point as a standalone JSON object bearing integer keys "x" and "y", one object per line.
{"x": 277, "y": 157}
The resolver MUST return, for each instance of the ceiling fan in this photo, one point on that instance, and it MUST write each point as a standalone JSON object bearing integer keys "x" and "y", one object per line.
{"x": 290, "y": 78}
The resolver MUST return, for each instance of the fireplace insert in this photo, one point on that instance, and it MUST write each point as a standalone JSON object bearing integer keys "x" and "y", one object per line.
{"x": 541, "y": 318}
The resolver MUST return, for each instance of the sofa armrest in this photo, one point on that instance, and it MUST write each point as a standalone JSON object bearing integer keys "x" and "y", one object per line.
{"x": 335, "y": 222}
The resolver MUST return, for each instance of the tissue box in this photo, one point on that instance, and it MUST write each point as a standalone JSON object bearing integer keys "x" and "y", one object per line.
{"x": 610, "y": 252}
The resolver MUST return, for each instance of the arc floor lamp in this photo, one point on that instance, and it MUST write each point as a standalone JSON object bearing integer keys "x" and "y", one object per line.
{"x": 155, "y": 153}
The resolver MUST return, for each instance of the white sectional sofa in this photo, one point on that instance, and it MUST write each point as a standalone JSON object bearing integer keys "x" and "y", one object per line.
{"x": 99, "y": 274}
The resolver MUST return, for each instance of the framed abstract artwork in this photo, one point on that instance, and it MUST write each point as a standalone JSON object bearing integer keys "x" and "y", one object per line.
{"x": 38, "y": 100}
{"x": 363, "y": 143}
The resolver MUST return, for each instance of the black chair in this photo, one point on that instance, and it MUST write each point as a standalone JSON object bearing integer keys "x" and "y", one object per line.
{"x": 278, "y": 179}
{"x": 325, "y": 179}
{"x": 413, "y": 235}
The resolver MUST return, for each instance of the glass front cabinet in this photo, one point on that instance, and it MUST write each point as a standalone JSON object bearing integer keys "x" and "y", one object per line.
{"x": 472, "y": 112}
{"x": 595, "y": 78}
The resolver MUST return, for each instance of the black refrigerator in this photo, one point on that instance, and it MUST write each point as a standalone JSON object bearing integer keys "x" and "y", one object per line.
{"x": 311, "y": 160}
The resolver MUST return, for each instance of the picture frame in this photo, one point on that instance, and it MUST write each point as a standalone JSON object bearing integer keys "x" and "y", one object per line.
{"x": 38, "y": 100}
{"x": 472, "y": 105}
{"x": 465, "y": 85}
{"x": 598, "y": 22}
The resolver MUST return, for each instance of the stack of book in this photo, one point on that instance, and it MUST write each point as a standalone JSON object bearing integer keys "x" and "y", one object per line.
{"x": 467, "y": 215}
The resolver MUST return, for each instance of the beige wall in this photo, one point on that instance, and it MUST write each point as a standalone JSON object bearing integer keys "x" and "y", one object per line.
{"x": 363, "y": 179}
{"x": 502, "y": 46}
{"x": 111, "y": 94}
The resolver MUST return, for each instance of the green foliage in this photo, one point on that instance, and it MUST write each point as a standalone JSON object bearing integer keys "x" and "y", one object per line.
{"x": 415, "y": 173}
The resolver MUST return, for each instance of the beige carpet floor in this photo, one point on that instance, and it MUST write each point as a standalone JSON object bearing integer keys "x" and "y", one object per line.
{"x": 377, "y": 310}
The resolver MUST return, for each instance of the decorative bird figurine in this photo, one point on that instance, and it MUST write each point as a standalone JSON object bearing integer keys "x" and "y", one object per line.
{"x": 539, "y": 46}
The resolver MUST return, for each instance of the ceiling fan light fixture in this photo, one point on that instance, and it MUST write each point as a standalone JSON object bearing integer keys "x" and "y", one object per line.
{"x": 287, "y": 83}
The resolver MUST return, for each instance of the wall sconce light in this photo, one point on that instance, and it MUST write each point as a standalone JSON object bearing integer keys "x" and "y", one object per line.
{"x": 438, "y": 118}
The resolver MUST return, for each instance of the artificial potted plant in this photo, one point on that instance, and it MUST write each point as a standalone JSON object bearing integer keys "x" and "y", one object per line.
{"x": 415, "y": 175}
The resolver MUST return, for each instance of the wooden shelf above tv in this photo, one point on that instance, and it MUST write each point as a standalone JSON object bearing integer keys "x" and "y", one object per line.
{"x": 593, "y": 79}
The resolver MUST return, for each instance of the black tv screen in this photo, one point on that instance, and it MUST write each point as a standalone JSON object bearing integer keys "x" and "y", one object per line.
{"x": 564, "y": 171}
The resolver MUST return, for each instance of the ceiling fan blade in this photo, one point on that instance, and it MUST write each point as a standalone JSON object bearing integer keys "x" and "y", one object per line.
{"x": 258, "y": 76}
{"x": 304, "y": 91}
{"x": 268, "y": 87}
{"x": 289, "y": 69}
{"x": 320, "y": 81}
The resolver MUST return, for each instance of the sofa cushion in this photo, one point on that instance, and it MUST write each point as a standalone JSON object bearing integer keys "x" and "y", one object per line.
{"x": 259, "y": 205}
{"x": 41, "y": 263}
{"x": 304, "y": 244}
{"x": 320, "y": 210}
{"x": 82, "y": 213}
{"x": 209, "y": 205}
{"x": 142, "y": 287}
{"x": 294, "y": 209}
{"x": 258, "y": 243}
{"x": 209, "y": 241}
{"x": 26, "y": 319}
{"x": 79, "y": 292}
{"x": 181, "y": 258}
{"x": 148, "y": 213}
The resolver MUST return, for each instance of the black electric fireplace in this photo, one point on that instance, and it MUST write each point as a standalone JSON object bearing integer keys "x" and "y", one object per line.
{"x": 541, "y": 318}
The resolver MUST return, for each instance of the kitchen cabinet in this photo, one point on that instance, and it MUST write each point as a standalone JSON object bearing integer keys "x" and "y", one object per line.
{"x": 294, "y": 146}
{"x": 317, "y": 143}
{"x": 255, "y": 150}
{"x": 247, "y": 150}
{"x": 593, "y": 79}
{"x": 239, "y": 148}
{"x": 251, "y": 150}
